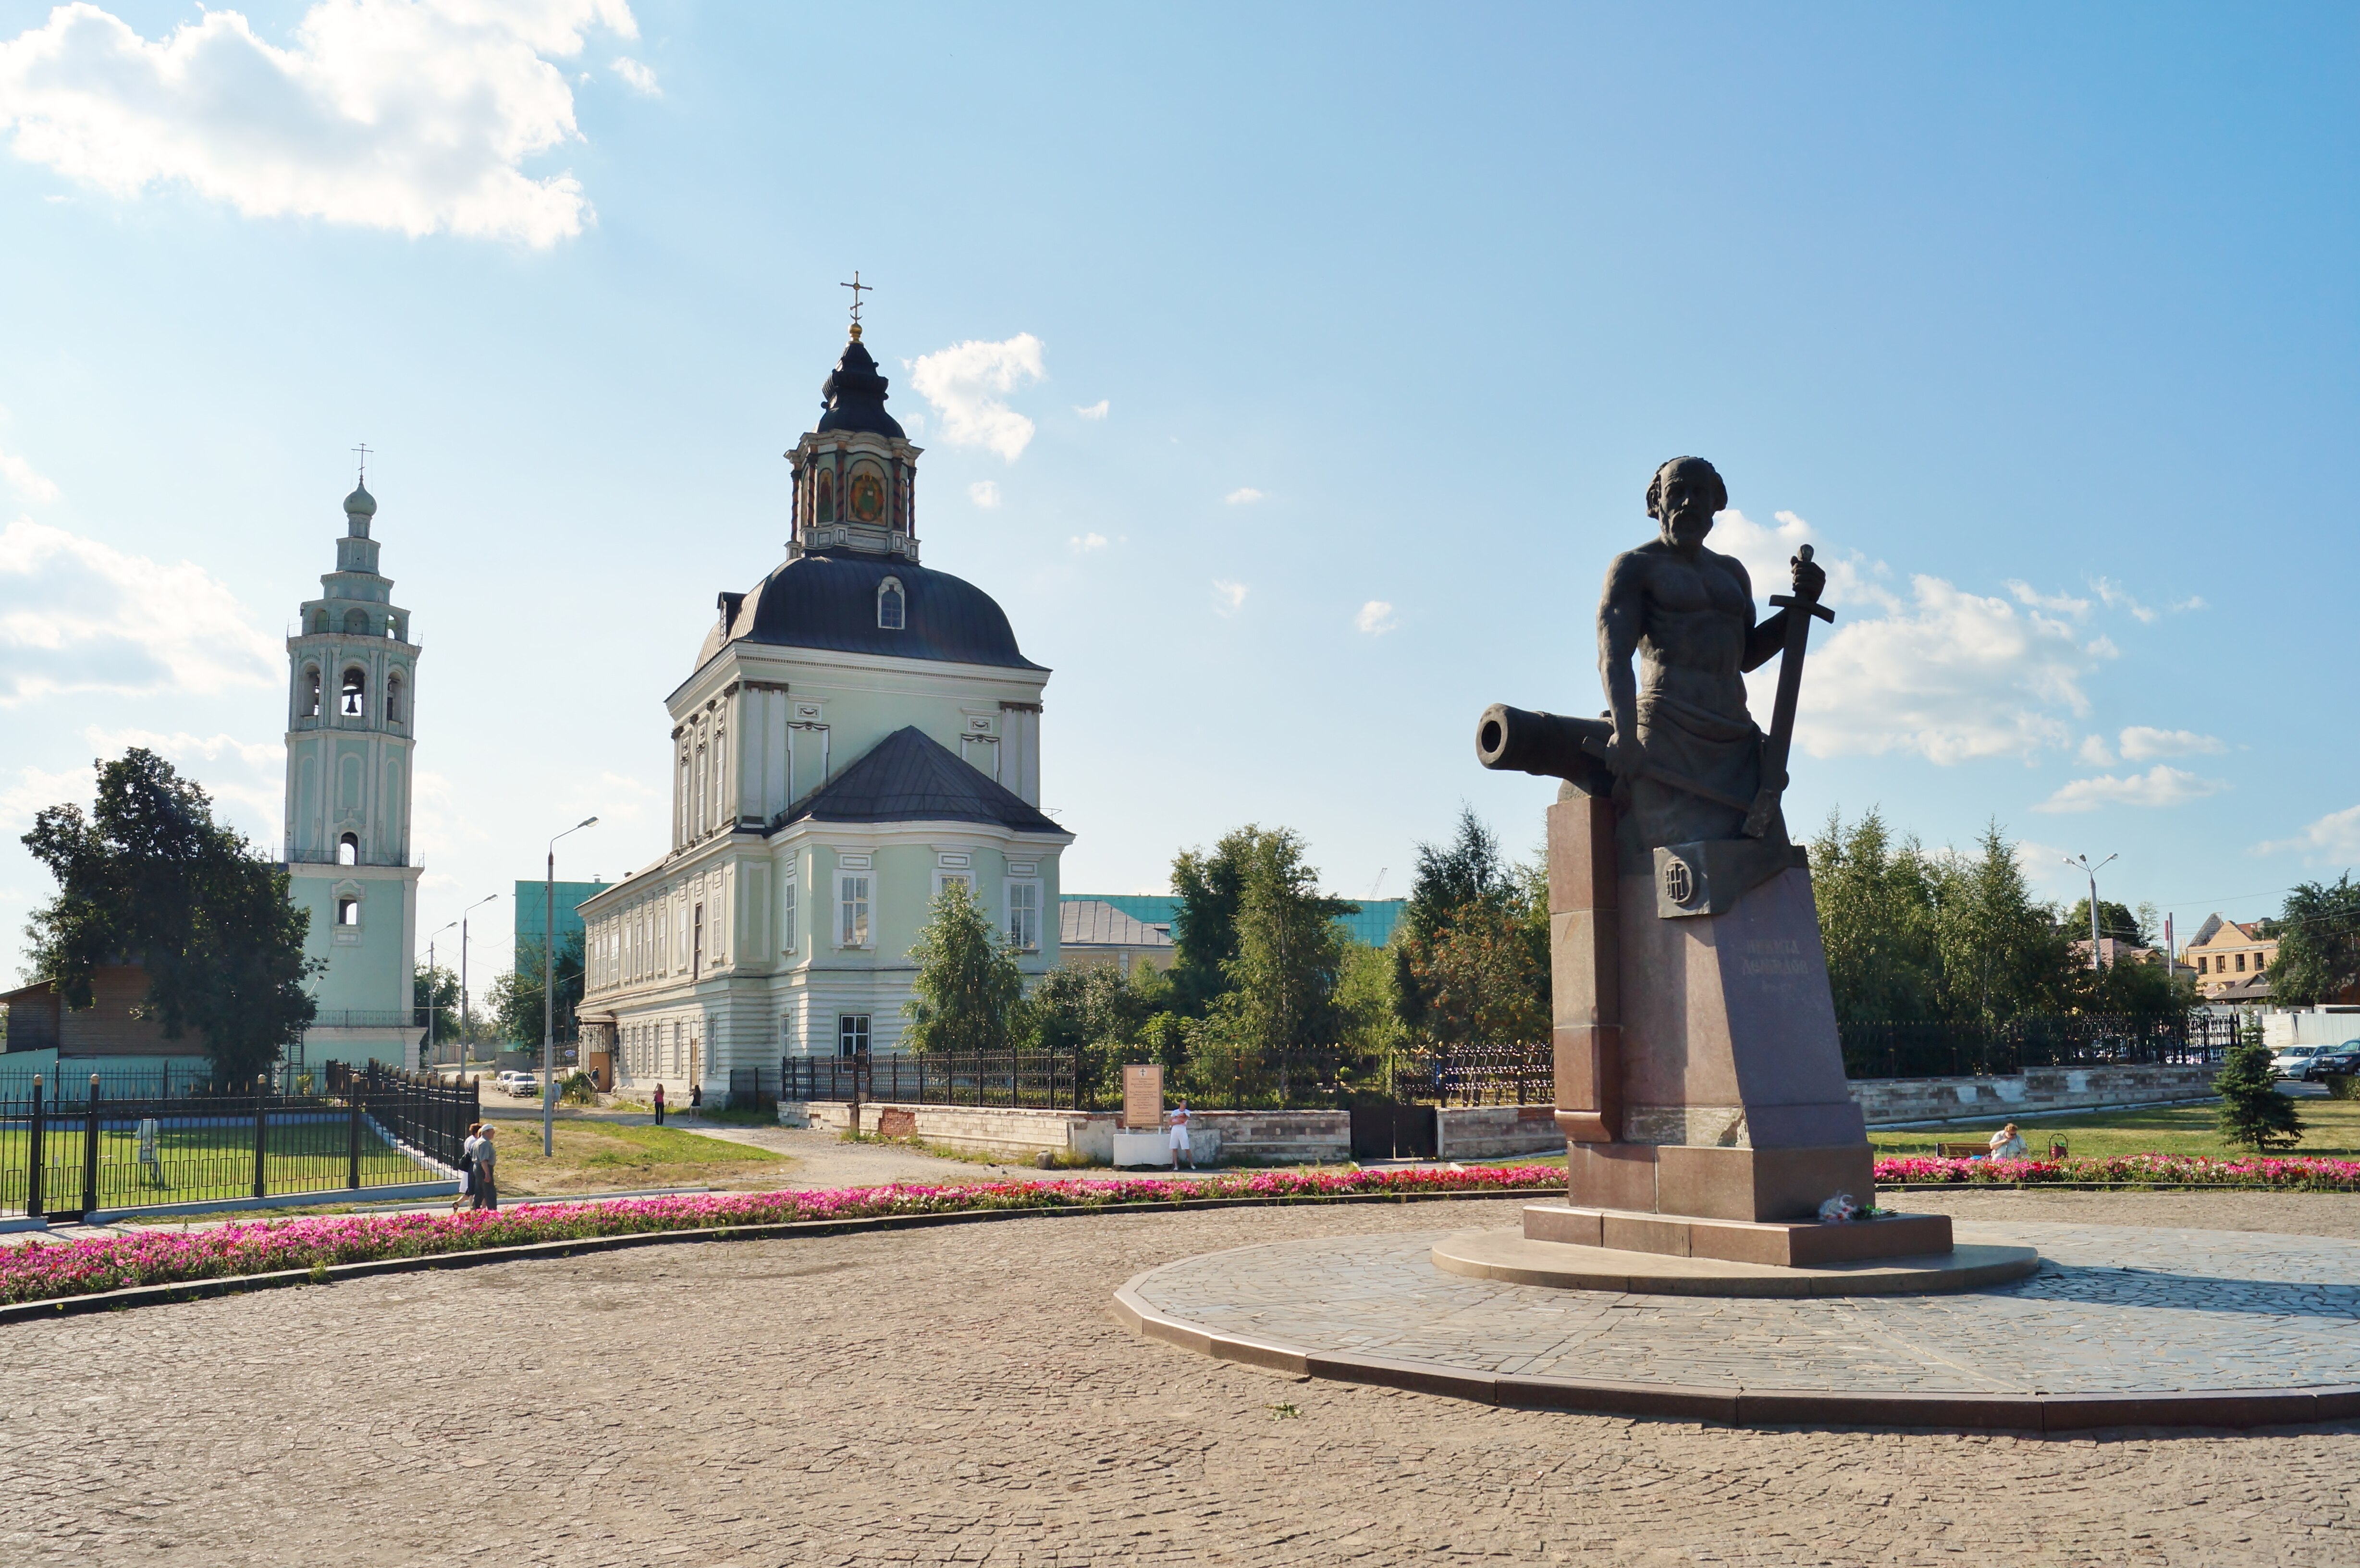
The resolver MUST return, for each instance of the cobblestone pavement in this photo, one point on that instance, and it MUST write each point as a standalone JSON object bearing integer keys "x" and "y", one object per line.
{"x": 2114, "y": 1309}
{"x": 964, "y": 1396}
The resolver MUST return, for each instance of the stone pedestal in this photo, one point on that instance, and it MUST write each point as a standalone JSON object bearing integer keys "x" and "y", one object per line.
{"x": 1700, "y": 1078}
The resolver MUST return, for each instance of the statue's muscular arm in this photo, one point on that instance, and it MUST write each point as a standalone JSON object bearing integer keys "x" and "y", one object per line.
{"x": 1763, "y": 640}
{"x": 1621, "y": 617}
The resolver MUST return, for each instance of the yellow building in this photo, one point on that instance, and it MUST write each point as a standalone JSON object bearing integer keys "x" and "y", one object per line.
{"x": 2228, "y": 957}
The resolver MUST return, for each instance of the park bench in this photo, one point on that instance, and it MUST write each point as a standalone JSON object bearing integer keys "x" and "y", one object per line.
{"x": 1962, "y": 1150}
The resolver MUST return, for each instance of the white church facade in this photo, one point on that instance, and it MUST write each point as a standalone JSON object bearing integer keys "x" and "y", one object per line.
{"x": 859, "y": 730}
{"x": 351, "y": 702}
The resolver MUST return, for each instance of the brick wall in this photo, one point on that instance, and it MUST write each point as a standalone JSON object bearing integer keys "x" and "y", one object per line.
{"x": 1885, "y": 1101}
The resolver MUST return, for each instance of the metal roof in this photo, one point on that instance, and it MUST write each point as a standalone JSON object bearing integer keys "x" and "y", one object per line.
{"x": 1093, "y": 922}
{"x": 909, "y": 777}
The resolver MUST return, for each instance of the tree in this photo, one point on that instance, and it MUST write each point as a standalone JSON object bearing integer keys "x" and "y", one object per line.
{"x": 2002, "y": 952}
{"x": 149, "y": 877}
{"x": 1204, "y": 930}
{"x": 2116, "y": 921}
{"x": 514, "y": 998}
{"x": 968, "y": 987}
{"x": 2319, "y": 944}
{"x": 1471, "y": 955}
{"x": 2252, "y": 1114}
{"x": 1877, "y": 921}
{"x": 1282, "y": 981}
{"x": 437, "y": 988}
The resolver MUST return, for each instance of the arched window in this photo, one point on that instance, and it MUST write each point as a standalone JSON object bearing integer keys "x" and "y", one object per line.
{"x": 356, "y": 623}
{"x": 348, "y": 852}
{"x": 826, "y": 489}
{"x": 356, "y": 699}
{"x": 889, "y": 604}
{"x": 393, "y": 699}
{"x": 319, "y": 620}
{"x": 311, "y": 691}
{"x": 348, "y": 912}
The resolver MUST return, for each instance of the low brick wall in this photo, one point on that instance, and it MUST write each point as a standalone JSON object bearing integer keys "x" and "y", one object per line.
{"x": 1888, "y": 1101}
{"x": 1496, "y": 1132}
{"x": 1019, "y": 1134}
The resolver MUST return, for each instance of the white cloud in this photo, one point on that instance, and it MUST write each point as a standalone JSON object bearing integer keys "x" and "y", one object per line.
{"x": 967, "y": 382}
{"x": 2055, "y": 604}
{"x": 2333, "y": 840}
{"x": 1376, "y": 618}
{"x": 1228, "y": 598}
{"x": 2095, "y": 752}
{"x": 252, "y": 774}
{"x": 1243, "y": 496}
{"x": 22, "y": 478}
{"x": 1083, "y": 544}
{"x": 79, "y": 616}
{"x": 984, "y": 492}
{"x": 2141, "y": 744}
{"x": 1096, "y": 410}
{"x": 2158, "y": 786}
{"x": 638, "y": 77}
{"x": 38, "y": 788}
{"x": 2116, "y": 597}
{"x": 408, "y": 114}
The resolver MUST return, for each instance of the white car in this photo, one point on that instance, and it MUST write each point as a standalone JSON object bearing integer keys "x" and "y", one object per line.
{"x": 523, "y": 1085}
{"x": 2291, "y": 1061}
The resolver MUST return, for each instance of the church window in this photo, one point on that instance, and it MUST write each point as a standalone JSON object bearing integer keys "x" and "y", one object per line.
{"x": 890, "y": 605}
{"x": 348, "y": 850}
{"x": 319, "y": 620}
{"x": 311, "y": 691}
{"x": 852, "y": 911}
{"x": 355, "y": 698}
{"x": 1024, "y": 916}
{"x": 787, "y": 917}
{"x": 852, "y": 1034}
{"x": 826, "y": 494}
{"x": 356, "y": 623}
{"x": 348, "y": 912}
{"x": 393, "y": 699}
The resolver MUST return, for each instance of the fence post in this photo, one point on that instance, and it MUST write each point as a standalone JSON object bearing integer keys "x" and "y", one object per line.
{"x": 90, "y": 1152}
{"x": 34, "y": 1205}
{"x": 261, "y": 1131}
{"x": 353, "y": 1139}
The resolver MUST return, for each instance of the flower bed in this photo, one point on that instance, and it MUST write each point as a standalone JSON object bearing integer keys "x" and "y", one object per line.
{"x": 2166, "y": 1170}
{"x": 167, "y": 1257}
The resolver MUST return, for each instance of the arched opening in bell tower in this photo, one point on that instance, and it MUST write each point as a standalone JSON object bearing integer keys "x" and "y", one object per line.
{"x": 348, "y": 850}
{"x": 355, "y": 697}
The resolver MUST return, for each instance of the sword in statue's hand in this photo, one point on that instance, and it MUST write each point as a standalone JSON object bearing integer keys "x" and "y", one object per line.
{"x": 1799, "y": 607}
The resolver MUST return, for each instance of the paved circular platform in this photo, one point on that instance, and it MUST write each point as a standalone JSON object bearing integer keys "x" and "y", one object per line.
{"x": 2119, "y": 1326}
{"x": 1505, "y": 1256}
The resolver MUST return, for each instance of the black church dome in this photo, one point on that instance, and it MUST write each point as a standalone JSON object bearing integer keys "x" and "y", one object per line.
{"x": 854, "y": 396}
{"x": 828, "y": 599}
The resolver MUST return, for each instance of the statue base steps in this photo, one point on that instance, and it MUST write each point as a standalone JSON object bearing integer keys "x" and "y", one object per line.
{"x": 1776, "y": 1244}
{"x": 1511, "y": 1259}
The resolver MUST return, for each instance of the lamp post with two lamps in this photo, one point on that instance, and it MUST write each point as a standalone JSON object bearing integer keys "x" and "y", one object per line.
{"x": 2092, "y": 872}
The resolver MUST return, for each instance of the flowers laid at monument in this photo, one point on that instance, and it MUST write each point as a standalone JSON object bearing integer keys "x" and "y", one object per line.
{"x": 2140, "y": 1169}
{"x": 172, "y": 1257}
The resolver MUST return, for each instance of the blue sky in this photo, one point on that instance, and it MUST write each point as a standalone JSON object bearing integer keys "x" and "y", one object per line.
{"x": 1295, "y": 373}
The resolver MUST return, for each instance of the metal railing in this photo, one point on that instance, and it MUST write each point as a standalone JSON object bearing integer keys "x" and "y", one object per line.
{"x": 62, "y": 1157}
{"x": 1051, "y": 1080}
{"x": 1978, "y": 1050}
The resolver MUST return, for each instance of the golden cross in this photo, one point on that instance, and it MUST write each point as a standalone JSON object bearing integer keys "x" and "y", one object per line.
{"x": 857, "y": 289}
{"x": 364, "y": 449}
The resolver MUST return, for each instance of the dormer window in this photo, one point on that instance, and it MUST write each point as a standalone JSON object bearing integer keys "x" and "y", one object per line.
{"x": 889, "y": 604}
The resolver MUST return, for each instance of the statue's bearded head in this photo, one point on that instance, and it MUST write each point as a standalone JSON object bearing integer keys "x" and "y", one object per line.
{"x": 1682, "y": 498}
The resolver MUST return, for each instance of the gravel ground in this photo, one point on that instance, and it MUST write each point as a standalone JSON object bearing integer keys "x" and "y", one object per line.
{"x": 964, "y": 1395}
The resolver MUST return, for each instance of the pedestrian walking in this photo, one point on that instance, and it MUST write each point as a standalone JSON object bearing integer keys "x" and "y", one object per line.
{"x": 695, "y": 1096}
{"x": 467, "y": 1166}
{"x": 487, "y": 1183}
{"x": 659, "y": 1104}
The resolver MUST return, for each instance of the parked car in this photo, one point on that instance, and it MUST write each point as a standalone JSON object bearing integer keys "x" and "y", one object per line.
{"x": 2336, "y": 1061}
{"x": 2291, "y": 1061}
{"x": 523, "y": 1085}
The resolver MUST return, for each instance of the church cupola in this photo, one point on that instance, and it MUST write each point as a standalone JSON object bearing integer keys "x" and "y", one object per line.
{"x": 855, "y": 474}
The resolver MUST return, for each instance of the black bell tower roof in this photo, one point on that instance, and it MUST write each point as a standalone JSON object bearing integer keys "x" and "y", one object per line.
{"x": 854, "y": 395}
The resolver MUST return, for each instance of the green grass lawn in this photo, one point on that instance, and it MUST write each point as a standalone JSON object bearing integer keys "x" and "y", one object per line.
{"x": 593, "y": 1156}
{"x": 2330, "y": 1129}
{"x": 195, "y": 1164}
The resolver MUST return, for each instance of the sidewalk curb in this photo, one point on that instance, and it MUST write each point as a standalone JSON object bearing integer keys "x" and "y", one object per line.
{"x": 51, "y": 1307}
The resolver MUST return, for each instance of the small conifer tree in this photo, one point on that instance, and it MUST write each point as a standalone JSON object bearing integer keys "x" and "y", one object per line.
{"x": 2254, "y": 1114}
{"x": 968, "y": 987}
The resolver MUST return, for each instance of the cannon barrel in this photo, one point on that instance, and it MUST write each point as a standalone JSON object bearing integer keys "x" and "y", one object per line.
{"x": 1517, "y": 740}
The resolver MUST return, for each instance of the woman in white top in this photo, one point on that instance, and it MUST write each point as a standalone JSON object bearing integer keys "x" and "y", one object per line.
{"x": 1180, "y": 1137}
{"x": 2007, "y": 1144}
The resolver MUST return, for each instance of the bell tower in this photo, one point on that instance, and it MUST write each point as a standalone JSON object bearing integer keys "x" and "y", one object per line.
{"x": 351, "y": 708}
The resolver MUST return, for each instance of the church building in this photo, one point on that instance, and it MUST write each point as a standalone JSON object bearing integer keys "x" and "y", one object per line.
{"x": 858, "y": 731}
{"x": 351, "y": 704}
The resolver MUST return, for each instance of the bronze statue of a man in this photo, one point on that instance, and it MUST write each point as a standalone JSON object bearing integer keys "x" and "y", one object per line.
{"x": 1687, "y": 612}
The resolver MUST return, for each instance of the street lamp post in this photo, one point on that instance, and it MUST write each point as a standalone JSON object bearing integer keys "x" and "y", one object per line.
{"x": 467, "y": 1020}
{"x": 431, "y": 1009}
{"x": 549, "y": 996}
{"x": 2092, "y": 872}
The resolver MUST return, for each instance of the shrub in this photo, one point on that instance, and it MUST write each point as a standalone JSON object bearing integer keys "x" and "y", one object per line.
{"x": 2252, "y": 1112}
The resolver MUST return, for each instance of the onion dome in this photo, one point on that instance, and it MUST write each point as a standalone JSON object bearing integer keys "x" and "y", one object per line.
{"x": 360, "y": 504}
{"x": 854, "y": 395}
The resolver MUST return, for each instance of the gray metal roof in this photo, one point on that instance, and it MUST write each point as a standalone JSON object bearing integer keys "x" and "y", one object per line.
{"x": 1085, "y": 923}
{"x": 909, "y": 777}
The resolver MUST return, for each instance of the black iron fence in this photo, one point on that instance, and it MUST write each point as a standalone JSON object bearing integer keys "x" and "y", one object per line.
{"x": 62, "y": 1158}
{"x": 1976, "y": 1049}
{"x": 1048, "y": 1081}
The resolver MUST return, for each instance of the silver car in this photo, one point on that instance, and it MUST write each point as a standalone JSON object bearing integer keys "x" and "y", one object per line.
{"x": 2291, "y": 1061}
